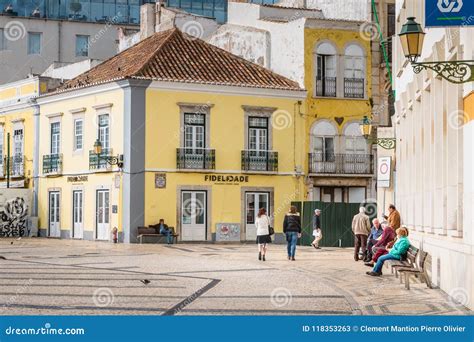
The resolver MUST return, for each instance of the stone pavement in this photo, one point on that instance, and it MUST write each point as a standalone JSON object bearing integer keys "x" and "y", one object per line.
{"x": 70, "y": 277}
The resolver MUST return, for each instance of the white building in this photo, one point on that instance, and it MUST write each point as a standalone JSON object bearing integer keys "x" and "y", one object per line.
{"x": 30, "y": 45}
{"x": 434, "y": 184}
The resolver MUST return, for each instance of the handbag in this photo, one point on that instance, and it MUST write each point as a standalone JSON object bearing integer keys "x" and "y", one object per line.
{"x": 271, "y": 231}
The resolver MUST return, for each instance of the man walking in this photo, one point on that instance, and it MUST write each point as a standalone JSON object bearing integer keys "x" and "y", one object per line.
{"x": 375, "y": 232}
{"x": 318, "y": 235}
{"x": 361, "y": 229}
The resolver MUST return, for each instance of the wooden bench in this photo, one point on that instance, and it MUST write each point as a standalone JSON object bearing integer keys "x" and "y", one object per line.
{"x": 152, "y": 231}
{"x": 417, "y": 269}
{"x": 407, "y": 262}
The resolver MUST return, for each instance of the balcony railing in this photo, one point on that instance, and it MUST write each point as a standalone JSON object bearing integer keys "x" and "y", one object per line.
{"x": 253, "y": 160}
{"x": 326, "y": 86}
{"x": 52, "y": 163}
{"x": 331, "y": 163}
{"x": 17, "y": 166}
{"x": 195, "y": 158}
{"x": 98, "y": 162}
{"x": 354, "y": 88}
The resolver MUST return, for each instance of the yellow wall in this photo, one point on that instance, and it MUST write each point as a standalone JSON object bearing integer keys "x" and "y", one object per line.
{"x": 469, "y": 107}
{"x": 335, "y": 107}
{"x": 13, "y": 114}
{"x": 77, "y": 162}
{"x": 317, "y": 108}
{"x": 227, "y": 126}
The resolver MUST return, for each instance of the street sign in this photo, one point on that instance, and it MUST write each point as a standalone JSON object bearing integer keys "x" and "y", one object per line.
{"x": 384, "y": 172}
{"x": 439, "y": 13}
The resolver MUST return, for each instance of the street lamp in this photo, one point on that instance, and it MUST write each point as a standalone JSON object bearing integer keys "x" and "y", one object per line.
{"x": 366, "y": 131}
{"x": 112, "y": 160}
{"x": 412, "y": 38}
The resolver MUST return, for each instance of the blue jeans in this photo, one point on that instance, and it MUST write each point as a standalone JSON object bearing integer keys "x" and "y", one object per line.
{"x": 291, "y": 238}
{"x": 169, "y": 235}
{"x": 381, "y": 260}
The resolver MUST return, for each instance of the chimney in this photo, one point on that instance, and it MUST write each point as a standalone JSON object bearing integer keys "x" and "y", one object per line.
{"x": 159, "y": 5}
{"x": 147, "y": 20}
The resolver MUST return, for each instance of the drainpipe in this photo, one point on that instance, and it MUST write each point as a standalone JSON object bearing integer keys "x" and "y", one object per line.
{"x": 59, "y": 40}
{"x": 36, "y": 113}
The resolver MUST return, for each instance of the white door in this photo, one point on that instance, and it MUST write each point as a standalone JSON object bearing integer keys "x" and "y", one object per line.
{"x": 17, "y": 169}
{"x": 77, "y": 214}
{"x": 193, "y": 215}
{"x": 253, "y": 202}
{"x": 54, "y": 207}
{"x": 102, "y": 210}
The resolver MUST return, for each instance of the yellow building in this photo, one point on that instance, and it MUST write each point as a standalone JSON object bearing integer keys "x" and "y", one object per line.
{"x": 18, "y": 127}
{"x": 206, "y": 139}
{"x": 338, "y": 80}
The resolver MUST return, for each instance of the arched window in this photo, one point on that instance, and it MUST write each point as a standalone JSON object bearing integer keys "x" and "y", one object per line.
{"x": 326, "y": 72}
{"x": 354, "y": 72}
{"x": 355, "y": 143}
{"x": 323, "y": 146}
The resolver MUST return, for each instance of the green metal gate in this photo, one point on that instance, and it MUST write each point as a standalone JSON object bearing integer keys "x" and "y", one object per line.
{"x": 336, "y": 222}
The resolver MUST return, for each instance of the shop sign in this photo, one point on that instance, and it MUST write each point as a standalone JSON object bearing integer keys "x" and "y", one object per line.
{"x": 444, "y": 13}
{"x": 226, "y": 179}
{"x": 384, "y": 172}
{"x": 77, "y": 179}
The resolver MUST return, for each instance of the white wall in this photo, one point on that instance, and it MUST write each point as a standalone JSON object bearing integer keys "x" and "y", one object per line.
{"x": 434, "y": 189}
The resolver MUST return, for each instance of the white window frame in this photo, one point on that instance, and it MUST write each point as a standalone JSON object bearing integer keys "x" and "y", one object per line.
{"x": 78, "y": 36}
{"x": 76, "y": 135}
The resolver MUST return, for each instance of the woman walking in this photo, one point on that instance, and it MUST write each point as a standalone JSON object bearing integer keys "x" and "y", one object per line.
{"x": 292, "y": 229}
{"x": 263, "y": 233}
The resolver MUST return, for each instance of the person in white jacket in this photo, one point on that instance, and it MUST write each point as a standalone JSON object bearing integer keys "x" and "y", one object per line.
{"x": 262, "y": 222}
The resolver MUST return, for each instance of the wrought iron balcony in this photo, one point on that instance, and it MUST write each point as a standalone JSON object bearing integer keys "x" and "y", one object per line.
{"x": 354, "y": 88}
{"x": 326, "y": 86}
{"x": 195, "y": 158}
{"x": 99, "y": 161}
{"x": 253, "y": 160}
{"x": 17, "y": 166}
{"x": 52, "y": 163}
{"x": 331, "y": 163}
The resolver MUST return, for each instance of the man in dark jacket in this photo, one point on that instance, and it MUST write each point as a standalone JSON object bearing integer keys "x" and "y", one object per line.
{"x": 292, "y": 229}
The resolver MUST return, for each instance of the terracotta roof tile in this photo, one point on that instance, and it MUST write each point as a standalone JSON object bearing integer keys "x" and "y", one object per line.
{"x": 175, "y": 56}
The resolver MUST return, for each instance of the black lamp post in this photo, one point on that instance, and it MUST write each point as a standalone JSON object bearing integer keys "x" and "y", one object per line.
{"x": 112, "y": 160}
{"x": 366, "y": 131}
{"x": 412, "y": 38}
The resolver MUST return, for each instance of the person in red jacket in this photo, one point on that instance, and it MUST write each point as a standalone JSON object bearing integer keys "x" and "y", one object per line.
{"x": 380, "y": 248}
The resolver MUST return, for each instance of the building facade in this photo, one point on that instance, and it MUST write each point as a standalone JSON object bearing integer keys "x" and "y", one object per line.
{"x": 206, "y": 147}
{"x": 30, "y": 45}
{"x": 434, "y": 190}
{"x": 18, "y": 131}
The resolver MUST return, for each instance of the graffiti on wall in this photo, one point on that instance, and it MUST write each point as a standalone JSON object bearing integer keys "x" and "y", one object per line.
{"x": 14, "y": 218}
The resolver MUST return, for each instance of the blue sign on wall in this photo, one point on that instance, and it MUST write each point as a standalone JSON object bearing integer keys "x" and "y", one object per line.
{"x": 449, "y": 13}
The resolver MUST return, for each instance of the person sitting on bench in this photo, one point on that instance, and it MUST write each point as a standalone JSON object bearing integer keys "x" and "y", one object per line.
{"x": 395, "y": 253}
{"x": 165, "y": 230}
